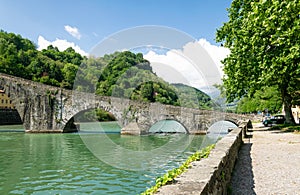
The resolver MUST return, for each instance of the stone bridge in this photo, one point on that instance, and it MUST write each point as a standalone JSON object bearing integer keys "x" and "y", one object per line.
{"x": 45, "y": 108}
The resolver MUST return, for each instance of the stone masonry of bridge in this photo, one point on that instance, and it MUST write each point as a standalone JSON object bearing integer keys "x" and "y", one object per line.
{"x": 45, "y": 108}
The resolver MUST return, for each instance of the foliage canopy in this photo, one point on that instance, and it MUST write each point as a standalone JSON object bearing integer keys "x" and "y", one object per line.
{"x": 267, "y": 99}
{"x": 264, "y": 40}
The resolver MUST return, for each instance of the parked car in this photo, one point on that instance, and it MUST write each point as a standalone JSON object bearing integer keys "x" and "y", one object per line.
{"x": 277, "y": 119}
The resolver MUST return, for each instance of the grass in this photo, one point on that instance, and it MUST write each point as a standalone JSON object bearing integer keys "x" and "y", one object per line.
{"x": 285, "y": 128}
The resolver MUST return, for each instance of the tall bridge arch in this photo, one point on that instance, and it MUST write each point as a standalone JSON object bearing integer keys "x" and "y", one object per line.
{"x": 44, "y": 108}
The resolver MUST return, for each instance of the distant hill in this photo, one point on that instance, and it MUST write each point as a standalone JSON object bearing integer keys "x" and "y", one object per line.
{"x": 193, "y": 97}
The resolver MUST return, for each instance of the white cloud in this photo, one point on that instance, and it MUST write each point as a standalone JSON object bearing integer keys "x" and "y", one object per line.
{"x": 197, "y": 64}
{"x": 73, "y": 31}
{"x": 61, "y": 44}
{"x": 175, "y": 68}
{"x": 217, "y": 53}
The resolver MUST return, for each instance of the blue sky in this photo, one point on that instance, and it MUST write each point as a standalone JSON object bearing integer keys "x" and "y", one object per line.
{"x": 98, "y": 19}
{"x": 86, "y": 23}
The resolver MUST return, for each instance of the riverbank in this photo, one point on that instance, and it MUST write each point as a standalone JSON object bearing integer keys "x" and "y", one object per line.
{"x": 268, "y": 163}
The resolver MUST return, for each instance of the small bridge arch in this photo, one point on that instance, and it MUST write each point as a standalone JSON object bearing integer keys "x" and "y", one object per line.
{"x": 232, "y": 121}
{"x": 73, "y": 123}
{"x": 168, "y": 125}
{"x": 47, "y": 108}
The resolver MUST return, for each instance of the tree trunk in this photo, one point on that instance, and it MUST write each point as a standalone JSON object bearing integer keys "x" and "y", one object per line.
{"x": 287, "y": 105}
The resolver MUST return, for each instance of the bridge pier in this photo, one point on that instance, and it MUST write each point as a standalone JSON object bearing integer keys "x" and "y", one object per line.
{"x": 132, "y": 129}
{"x": 48, "y": 109}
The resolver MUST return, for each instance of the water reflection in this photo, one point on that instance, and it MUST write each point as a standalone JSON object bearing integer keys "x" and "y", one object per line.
{"x": 219, "y": 129}
{"x": 12, "y": 128}
{"x": 167, "y": 126}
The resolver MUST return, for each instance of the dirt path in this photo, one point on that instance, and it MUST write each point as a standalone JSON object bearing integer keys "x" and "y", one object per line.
{"x": 268, "y": 163}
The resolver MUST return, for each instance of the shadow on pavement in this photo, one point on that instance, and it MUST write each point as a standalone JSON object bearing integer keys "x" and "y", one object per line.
{"x": 242, "y": 181}
{"x": 276, "y": 129}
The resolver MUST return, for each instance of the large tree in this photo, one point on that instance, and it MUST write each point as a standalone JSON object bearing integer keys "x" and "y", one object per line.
{"x": 264, "y": 39}
{"x": 267, "y": 99}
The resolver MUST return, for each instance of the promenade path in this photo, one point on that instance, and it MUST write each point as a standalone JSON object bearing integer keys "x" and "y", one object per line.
{"x": 268, "y": 163}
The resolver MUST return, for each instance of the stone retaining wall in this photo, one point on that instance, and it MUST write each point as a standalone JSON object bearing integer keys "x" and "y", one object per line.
{"x": 211, "y": 175}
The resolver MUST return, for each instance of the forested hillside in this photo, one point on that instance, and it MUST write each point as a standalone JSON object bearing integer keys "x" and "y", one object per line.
{"x": 19, "y": 57}
{"x": 121, "y": 74}
{"x": 192, "y": 97}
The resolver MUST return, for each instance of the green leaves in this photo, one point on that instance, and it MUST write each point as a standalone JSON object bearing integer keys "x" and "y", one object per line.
{"x": 129, "y": 75}
{"x": 264, "y": 39}
{"x": 192, "y": 97}
{"x": 93, "y": 115}
{"x": 266, "y": 98}
{"x": 19, "y": 57}
{"x": 170, "y": 176}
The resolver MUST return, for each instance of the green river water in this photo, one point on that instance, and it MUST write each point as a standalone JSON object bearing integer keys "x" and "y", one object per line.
{"x": 89, "y": 162}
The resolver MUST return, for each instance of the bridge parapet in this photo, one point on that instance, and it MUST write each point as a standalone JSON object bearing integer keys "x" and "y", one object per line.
{"x": 45, "y": 108}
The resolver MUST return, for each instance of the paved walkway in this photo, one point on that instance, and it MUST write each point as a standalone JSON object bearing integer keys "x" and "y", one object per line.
{"x": 268, "y": 163}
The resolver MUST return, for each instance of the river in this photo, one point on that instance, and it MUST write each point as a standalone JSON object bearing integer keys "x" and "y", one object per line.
{"x": 98, "y": 160}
